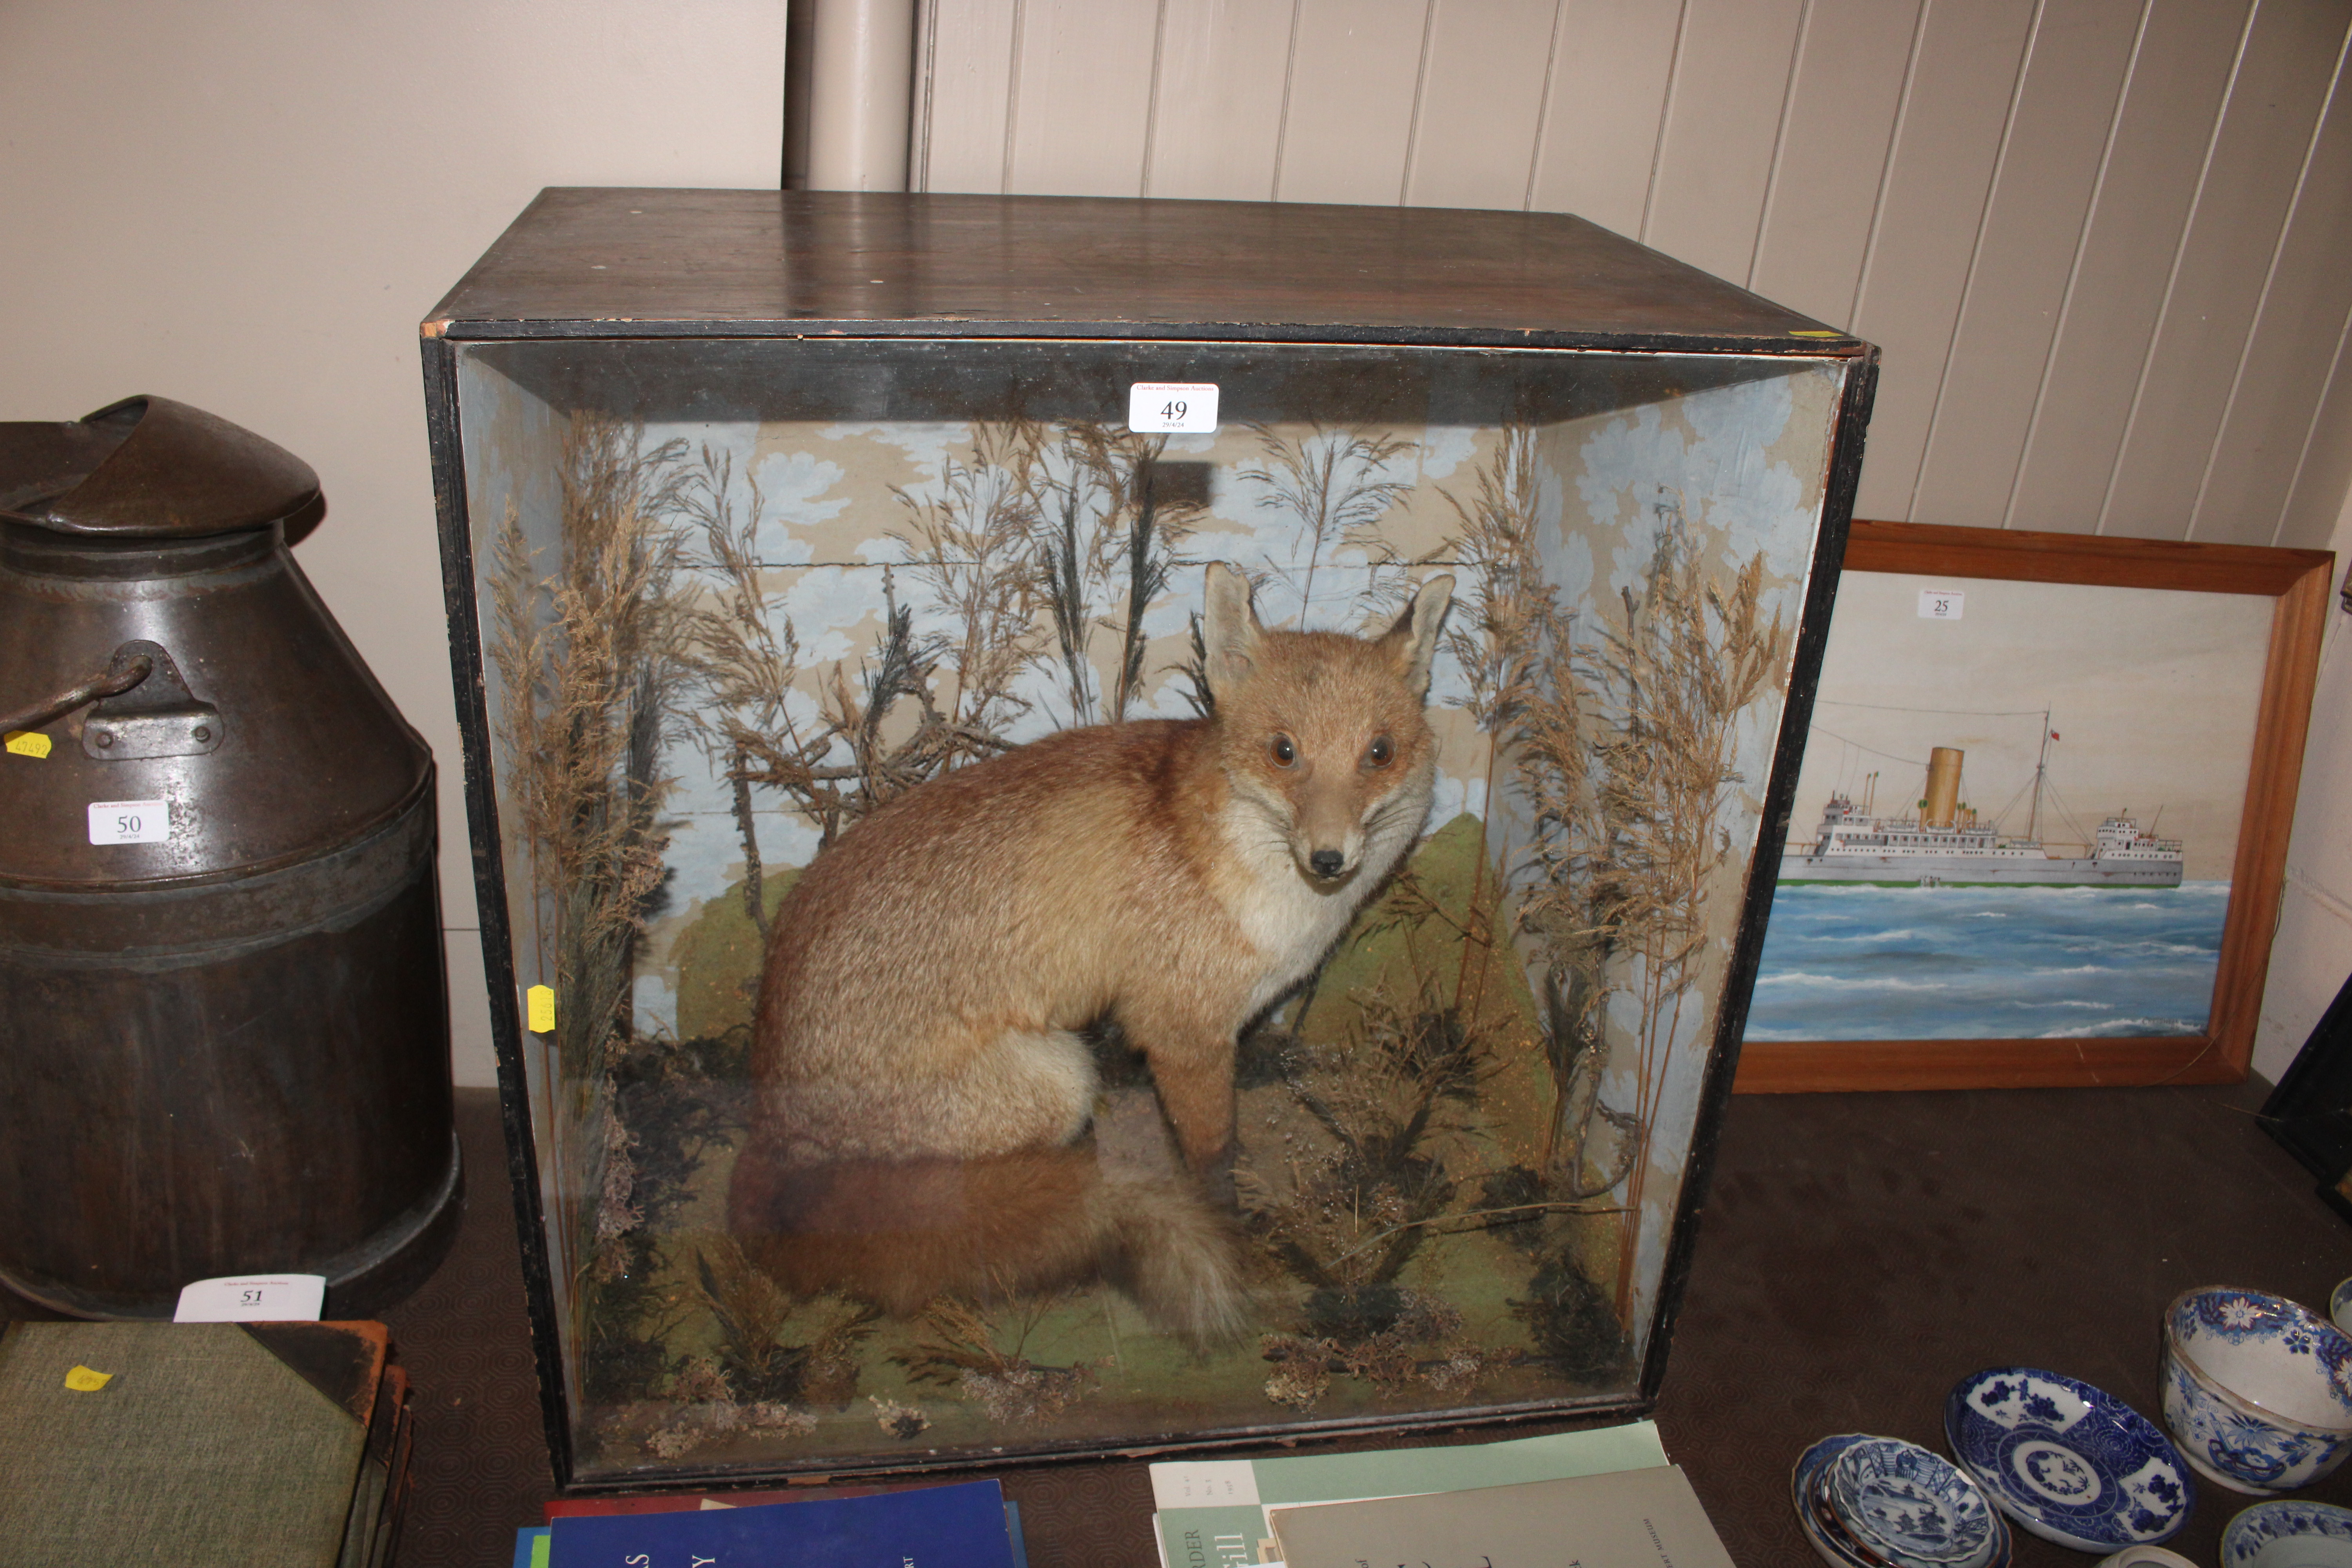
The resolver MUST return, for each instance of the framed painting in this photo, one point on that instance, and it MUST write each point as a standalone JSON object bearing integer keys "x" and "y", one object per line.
{"x": 1161, "y": 867}
{"x": 2043, "y": 816}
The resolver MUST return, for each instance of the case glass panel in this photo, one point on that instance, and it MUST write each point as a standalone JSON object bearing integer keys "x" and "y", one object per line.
{"x": 735, "y": 598}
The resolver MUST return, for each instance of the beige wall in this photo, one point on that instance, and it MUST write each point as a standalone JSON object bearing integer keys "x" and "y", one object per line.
{"x": 2099, "y": 240}
{"x": 250, "y": 206}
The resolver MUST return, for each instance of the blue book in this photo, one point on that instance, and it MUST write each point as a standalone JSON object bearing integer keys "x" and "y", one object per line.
{"x": 938, "y": 1526}
{"x": 530, "y": 1546}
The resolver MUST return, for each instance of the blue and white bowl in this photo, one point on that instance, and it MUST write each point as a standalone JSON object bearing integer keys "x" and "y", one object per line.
{"x": 1839, "y": 1546}
{"x": 2289, "y": 1535}
{"x": 2257, "y": 1390}
{"x": 2067, "y": 1461}
{"x": 1912, "y": 1505}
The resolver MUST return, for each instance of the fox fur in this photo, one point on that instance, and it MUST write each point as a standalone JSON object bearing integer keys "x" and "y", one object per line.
{"x": 922, "y": 1093}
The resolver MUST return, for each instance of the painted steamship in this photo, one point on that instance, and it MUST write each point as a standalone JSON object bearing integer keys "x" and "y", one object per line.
{"x": 1947, "y": 844}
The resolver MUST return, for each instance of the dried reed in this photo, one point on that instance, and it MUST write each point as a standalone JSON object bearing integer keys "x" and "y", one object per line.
{"x": 751, "y": 1312}
{"x": 955, "y": 1345}
{"x": 1332, "y": 483}
{"x": 1395, "y": 1104}
{"x": 1506, "y": 617}
{"x": 1104, "y": 540}
{"x": 590, "y": 660}
{"x": 971, "y": 544}
{"x": 1629, "y": 757}
{"x": 970, "y": 548}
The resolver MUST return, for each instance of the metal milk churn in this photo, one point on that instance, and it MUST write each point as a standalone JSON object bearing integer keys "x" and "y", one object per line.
{"x": 223, "y": 1036}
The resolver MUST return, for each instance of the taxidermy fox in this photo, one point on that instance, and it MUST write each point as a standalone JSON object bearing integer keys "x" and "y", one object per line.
{"x": 922, "y": 1092}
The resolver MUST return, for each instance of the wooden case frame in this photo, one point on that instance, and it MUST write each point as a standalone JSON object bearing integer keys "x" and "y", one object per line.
{"x": 587, "y": 268}
{"x": 2296, "y": 582}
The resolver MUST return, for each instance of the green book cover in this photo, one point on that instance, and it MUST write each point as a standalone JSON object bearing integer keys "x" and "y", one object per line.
{"x": 200, "y": 1447}
{"x": 1636, "y": 1519}
{"x": 1212, "y": 1511}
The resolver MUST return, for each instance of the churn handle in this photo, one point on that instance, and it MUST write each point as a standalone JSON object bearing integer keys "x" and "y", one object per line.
{"x": 120, "y": 674}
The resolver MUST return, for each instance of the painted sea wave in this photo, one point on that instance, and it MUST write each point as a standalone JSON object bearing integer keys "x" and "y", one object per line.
{"x": 1846, "y": 962}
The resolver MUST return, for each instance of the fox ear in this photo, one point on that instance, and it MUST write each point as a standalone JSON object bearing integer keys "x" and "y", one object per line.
{"x": 1413, "y": 638}
{"x": 1229, "y": 630}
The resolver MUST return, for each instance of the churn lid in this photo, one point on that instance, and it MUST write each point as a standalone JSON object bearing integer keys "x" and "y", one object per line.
{"x": 148, "y": 467}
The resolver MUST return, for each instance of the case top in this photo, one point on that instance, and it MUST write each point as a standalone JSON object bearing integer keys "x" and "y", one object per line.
{"x": 594, "y": 262}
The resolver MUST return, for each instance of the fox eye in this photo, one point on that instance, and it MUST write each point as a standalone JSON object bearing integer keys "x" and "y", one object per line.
{"x": 1382, "y": 752}
{"x": 1285, "y": 750}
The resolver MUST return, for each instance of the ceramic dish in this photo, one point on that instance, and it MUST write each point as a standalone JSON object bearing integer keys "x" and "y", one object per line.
{"x": 2339, "y": 1305}
{"x": 2289, "y": 1535}
{"x": 1833, "y": 1542}
{"x": 2257, "y": 1390}
{"x": 2067, "y": 1461}
{"x": 1915, "y": 1506}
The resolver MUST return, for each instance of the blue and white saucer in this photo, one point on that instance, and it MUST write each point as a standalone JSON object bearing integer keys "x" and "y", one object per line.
{"x": 2070, "y": 1463}
{"x": 2289, "y": 1534}
{"x": 1841, "y": 1545}
{"x": 1908, "y": 1503}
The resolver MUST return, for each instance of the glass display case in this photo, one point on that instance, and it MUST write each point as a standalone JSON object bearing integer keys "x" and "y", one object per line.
{"x": 971, "y": 980}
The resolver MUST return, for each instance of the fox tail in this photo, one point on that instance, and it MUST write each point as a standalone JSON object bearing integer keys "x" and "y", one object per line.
{"x": 901, "y": 1232}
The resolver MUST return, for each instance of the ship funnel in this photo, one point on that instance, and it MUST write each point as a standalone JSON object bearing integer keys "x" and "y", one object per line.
{"x": 1942, "y": 809}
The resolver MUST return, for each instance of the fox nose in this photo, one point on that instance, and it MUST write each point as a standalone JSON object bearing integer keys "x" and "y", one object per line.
{"x": 1327, "y": 862}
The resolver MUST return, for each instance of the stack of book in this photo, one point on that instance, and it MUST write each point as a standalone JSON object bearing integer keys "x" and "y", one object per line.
{"x": 202, "y": 1444}
{"x": 1602, "y": 1499}
{"x": 966, "y": 1526}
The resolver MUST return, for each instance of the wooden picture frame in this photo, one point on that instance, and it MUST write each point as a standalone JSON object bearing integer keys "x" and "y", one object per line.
{"x": 2297, "y": 583}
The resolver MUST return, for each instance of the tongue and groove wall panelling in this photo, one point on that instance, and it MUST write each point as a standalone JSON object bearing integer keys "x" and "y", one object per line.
{"x": 2253, "y": 481}
{"x": 2324, "y": 470}
{"x": 1854, "y": 58}
{"x": 2076, "y": 59}
{"x": 2105, "y": 245}
{"x": 1355, "y": 78}
{"x": 2279, "y": 87}
{"x": 1952, "y": 121}
{"x": 1216, "y": 106}
{"x": 1597, "y": 146}
{"x": 2177, "y": 81}
{"x": 1722, "y": 131}
{"x": 964, "y": 95}
{"x": 1482, "y": 98}
{"x": 1081, "y": 63}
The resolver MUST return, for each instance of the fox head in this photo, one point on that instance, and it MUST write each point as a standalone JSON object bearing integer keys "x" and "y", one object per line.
{"x": 1323, "y": 735}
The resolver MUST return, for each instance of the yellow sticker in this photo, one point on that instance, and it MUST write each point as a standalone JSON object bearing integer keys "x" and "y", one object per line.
{"x": 28, "y": 743}
{"x": 1812, "y": 332}
{"x": 541, "y": 999}
{"x": 81, "y": 1379}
